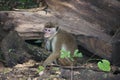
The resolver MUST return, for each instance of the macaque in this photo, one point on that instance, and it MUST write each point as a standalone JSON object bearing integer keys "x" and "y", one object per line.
{"x": 58, "y": 39}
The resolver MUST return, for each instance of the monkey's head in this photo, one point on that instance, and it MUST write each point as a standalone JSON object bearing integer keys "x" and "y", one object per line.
{"x": 50, "y": 29}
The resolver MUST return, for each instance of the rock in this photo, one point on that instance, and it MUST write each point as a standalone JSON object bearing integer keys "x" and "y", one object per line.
{"x": 14, "y": 49}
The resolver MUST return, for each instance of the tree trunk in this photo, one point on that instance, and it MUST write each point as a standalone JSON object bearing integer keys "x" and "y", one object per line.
{"x": 94, "y": 22}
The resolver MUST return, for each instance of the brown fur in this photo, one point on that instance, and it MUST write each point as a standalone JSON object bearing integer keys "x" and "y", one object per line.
{"x": 61, "y": 39}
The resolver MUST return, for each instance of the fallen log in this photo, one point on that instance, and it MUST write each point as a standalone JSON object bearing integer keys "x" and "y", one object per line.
{"x": 96, "y": 21}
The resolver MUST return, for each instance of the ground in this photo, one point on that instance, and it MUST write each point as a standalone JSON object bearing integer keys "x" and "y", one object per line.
{"x": 29, "y": 71}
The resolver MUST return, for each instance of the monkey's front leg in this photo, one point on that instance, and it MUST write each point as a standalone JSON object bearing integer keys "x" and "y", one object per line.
{"x": 50, "y": 59}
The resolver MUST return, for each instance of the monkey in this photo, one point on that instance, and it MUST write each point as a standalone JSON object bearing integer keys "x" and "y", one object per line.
{"x": 58, "y": 39}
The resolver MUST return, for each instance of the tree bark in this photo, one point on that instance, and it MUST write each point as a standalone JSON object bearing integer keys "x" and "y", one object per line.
{"x": 93, "y": 22}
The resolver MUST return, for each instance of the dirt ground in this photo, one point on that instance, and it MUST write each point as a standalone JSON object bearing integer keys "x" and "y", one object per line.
{"x": 29, "y": 71}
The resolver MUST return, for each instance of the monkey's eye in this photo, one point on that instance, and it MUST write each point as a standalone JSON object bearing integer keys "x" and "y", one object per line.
{"x": 49, "y": 30}
{"x": 45, "y": 29}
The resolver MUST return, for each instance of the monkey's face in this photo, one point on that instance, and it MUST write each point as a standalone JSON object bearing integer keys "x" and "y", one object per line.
{"x": 49, "y": 32}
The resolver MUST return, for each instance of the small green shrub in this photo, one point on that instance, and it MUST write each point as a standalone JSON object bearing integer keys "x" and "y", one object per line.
{"x": 77, "y": 54}
{"x": 104, "y": 65}
{"x": 67, "y": 54}
{"x": 40, "y": 68}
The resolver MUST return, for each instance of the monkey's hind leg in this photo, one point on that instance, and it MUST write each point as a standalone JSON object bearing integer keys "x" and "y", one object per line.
{"x": 50, "y": 59}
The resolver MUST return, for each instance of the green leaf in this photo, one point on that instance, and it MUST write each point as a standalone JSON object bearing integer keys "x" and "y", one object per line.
{"x": 104, "y": 65}
{"x": 11, "y": 50}
{"x": 77, "y": 54}
{"x": 40, "y": 68}
{"x": 65, "y": 54}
